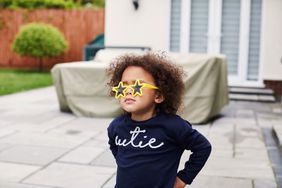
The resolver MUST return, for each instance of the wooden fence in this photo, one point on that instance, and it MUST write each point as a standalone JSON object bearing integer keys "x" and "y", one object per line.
{"x": 79, "y": 26}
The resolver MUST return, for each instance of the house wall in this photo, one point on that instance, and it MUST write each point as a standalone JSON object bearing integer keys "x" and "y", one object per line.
{"x": 272, "y": 40}
{"x": 148, "y": 26}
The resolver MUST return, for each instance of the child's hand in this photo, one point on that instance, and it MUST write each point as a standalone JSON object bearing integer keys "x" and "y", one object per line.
{"x": 179, "y": 183}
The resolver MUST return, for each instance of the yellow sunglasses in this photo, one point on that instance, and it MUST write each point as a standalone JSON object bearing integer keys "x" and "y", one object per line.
{"x": 137, "y": 88}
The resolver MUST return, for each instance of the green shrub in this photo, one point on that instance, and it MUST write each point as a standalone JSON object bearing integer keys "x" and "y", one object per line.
{"x": 54, "y": 4}
{"x": 95, "y": 3}
{"x": 32, "y": 4}
{"x": 60, "y": 4}
{"x": 5, "y": 3}
{"x": 39, "y": 40}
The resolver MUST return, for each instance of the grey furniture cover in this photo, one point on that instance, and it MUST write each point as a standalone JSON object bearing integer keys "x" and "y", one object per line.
{"x": 82, "y": 86}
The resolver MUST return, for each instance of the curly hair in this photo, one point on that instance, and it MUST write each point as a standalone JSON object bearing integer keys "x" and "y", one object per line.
{"x": 167, "y": 75}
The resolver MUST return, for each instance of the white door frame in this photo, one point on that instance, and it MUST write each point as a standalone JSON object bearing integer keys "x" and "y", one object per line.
{"x": 241, "y": 78}
{"x": 214, "y": 37}
{"x": 185, "y": 25}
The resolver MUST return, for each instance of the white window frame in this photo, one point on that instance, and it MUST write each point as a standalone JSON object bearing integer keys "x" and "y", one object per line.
{"x": 214, "y": 38}
{"x": 241, "y": 79}
{"x": 214, "y": 31}
{"x": 185, "y": 25}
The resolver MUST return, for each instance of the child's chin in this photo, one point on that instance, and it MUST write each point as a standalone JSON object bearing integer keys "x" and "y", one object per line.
{"x": 128, "y": 109}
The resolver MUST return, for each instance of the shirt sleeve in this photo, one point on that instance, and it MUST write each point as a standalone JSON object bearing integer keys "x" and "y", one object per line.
{"x": 190, "y": 139}
{"x": 111, "y": 142}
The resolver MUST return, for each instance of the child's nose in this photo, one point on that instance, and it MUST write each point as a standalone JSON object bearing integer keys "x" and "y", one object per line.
{"x": 128, "y": 91}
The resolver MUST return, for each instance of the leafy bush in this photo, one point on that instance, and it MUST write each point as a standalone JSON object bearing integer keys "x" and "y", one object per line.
{"x": 55, "y": 4}
{"x": 32, "y": 4}
{"x": 95, "y": 3}
{"x": 39, "y": 40}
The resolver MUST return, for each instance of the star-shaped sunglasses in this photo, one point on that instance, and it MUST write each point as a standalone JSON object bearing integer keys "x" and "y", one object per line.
{"x": 137, "y": 88}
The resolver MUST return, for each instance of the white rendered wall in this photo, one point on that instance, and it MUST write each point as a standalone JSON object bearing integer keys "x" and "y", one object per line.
{"x": 147, "y": 26}
{"x": 272, "y": 40}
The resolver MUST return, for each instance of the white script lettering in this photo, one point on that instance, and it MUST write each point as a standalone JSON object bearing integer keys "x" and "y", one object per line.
{"x": 134, "y": 134}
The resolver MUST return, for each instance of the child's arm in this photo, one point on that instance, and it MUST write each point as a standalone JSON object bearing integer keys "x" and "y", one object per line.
{"x": 179, "y": 183}
{"x": 190, "y": 139}
{"x": 113, "y": 146}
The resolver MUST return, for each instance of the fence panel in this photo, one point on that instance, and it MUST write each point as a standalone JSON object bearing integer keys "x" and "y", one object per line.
{"x": 79, "y": 27}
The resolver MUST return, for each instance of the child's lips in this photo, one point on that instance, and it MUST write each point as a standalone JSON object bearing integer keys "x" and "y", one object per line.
{"x": 129, "y": 100}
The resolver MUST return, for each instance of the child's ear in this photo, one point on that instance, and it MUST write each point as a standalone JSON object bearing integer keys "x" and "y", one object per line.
{"x": 159, "y": 98}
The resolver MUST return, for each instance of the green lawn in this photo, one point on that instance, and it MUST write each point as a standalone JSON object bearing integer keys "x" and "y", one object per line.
{"x": 12, "y": 81}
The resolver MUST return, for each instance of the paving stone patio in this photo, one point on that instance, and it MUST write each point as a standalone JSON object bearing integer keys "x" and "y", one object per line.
{"x": 41, "y": 147}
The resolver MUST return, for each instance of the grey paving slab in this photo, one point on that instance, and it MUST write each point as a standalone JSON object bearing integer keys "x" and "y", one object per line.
{"x": 258, "y": 183}
{"x": 4, "y": 146}
{"x": 4, "y": 123}
{"x": 238, "y": 168}
{"x": 222, "y": 127}
{"x": 251, "y": 154}
{"x": 221, "y": 142}
{"x": 224, "y": 120}
{"x": 245, "y": 113}
{"x": 222, "y": 153}
{"x": 28, "y": 97}
{"x": 215, "y": 182}
{"x": 18, "y": 115}
{"x": 263, "y": 122}
{"x": 43, "y": 126}
{"x": 28, "y": 110}
{"x": 88, "y": 124}
{"x": 97, "y": 144}
{"x": 103, "y": 136}
{"x": 71, "y": 176}
{"x": 19, "y": 185}
{"x": 277, "y": 129}
{"x": 31, "y": 123}
{"x": 277, "y": 121}
{"x": 246, "y": 142}
{"x": 46, "y": 117}
{"x": 110, "y": 183}
{"x": 51, "y": 140}
{"x": 206, "y": 181}
{"x": 28, "y": 117}
{"x": 248, "y": 131}
{"x": 267, "y": 115}
{"x": 2, "y": 110}
{"x": 248, "y": 105}
{"x": 6, "y": 132}
{"x": 10, "y": 172}
{"x": 31, "y": 155}
{"x": 279, "y": 181}
{"x": 274, "y": 154}
{"x": 105, "y": 159}
{"x": 245, "y": 121}
{"x": 277, "y": 110}
{"x": 83, "y": 155}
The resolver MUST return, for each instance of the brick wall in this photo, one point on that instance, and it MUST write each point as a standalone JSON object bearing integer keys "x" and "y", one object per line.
{"x": 79, "y": 27}
{"x": 276, "y": 86}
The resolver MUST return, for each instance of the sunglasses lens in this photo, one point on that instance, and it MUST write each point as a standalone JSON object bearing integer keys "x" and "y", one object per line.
{"x": 136, "y": 88}
{"x": 119, "y": 90}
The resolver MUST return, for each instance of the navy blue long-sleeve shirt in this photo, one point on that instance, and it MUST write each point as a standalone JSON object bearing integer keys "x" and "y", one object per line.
{"x": 148, "y": 152}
